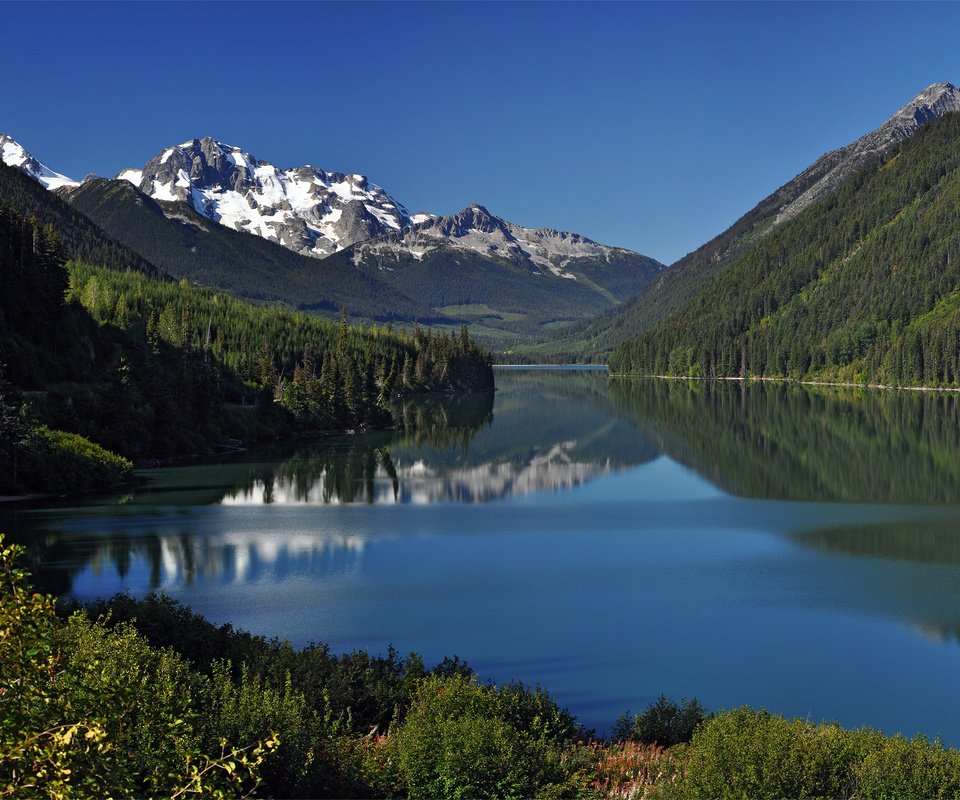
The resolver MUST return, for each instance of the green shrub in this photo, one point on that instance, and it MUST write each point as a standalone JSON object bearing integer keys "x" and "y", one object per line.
{"x": 754, "y": 754}
{"x": 665, "y": 722}
{"x": 461, "y": 739}
{"x": 56, "y": 461}
{"x": 150, "y": 698}
{"x": 908, "y": 769}
{"x": 94, "y": 712}
{"x": 310, "y": 761}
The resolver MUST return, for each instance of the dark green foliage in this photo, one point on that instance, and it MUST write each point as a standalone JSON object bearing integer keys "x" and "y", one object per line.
{"x": 249, "y": 707}
{"x": 32, "y": 285}
{"x": 15, "y": 431}
{"x": 371, "y": 688}
{"x": 67, "y": 462}
{"x": 187, "y": 245}
{"x": 81, "y": 239}
{"x": 861, "y": 287}
{"x": 665, "y": 722}
{"x": 312, "y": 697}
{"x": 265, "y": 345}
{"x": 151, "y": 367}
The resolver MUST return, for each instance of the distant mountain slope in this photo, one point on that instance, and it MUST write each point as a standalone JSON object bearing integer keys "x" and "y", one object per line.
{"x": 188, "y": 245}
{"x": 80, "y": 238}
{"x": 861, "y": 286}
{"x": 308, "y": 210}
{"x": 500, "y": 274}
{"x": 681, "y": 281}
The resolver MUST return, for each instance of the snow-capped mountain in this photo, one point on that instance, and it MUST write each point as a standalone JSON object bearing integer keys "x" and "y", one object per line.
{"x": 303, "y": 208}
{"x": 476, "y": 229}
{"x": 13, "y": 154}
{"x": 832, "y": 169}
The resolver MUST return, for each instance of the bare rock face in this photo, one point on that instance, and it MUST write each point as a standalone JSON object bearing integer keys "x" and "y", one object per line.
{"x": 541, "y": 250}
{"x": 305, "y": 209}
{"x": 830, "y": 171}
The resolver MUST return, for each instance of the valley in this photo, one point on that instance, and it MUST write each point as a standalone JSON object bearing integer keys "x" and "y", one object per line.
{"x": 278, "y": 517}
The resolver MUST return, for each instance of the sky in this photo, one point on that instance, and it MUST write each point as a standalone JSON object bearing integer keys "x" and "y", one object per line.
{"x": 651, "y": 126}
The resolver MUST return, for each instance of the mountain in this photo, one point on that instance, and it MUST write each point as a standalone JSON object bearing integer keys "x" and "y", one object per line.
{"x": 308, "y": 210}
{"x": 13, "y": 154}
{"x": 681, "y": 281}
{"x": 542, "y": 251}
{"x": 861, "y": 286}
{"x": 186, "y": 244}
{"x": 366, "y": 251}
{"x": 471, "y": 265}
{"x": 501, "y": 276}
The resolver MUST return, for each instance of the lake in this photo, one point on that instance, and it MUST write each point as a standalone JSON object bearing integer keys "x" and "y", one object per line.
{"x": 779, "y": 546}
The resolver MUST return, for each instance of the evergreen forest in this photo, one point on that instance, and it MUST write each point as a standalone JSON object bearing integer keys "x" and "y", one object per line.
{"x": 862, "y": 287}
{"x": 147, "y": 367}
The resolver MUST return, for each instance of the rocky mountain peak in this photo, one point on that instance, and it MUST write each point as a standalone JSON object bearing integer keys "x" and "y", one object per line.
{"x": 475, "y": 229}
{"x": 933, "y": 102}
{"x": 13, "y": 154}
{"x": 472, "y": 219}
{"x": 308, "y": 210}
{"x": 832, "y": 169}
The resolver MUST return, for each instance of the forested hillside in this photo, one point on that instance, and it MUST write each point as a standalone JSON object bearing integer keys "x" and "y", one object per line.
{"x": 151, "y": 367}
{"x": 592, "y": 340}
{"x": 863, "y": 286}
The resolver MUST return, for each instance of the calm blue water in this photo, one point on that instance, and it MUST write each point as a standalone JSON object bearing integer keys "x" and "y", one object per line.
{"x": 786, "y": 548}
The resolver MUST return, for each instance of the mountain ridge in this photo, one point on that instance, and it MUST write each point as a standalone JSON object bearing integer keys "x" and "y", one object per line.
{"x": 680, "y": 281}
{"x": 862, "y": 287}
{"x": 14, "y": 154}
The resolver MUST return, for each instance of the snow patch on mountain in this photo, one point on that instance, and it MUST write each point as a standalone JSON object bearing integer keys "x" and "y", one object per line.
{"x": 14, "y": 154}
{"x": 477, "y": 230}
{"x": 306, "y": 209}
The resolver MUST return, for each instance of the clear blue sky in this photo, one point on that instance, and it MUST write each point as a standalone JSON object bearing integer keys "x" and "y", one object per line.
{"x": 646, "y": 125}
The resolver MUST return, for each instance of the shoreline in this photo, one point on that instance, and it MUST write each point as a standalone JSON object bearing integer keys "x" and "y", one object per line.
{"x": 15, "y": 498}
{"x": 771, "y": 379}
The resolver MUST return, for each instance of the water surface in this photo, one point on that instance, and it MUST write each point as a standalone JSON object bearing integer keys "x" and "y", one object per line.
{"x": 785, "y": 547}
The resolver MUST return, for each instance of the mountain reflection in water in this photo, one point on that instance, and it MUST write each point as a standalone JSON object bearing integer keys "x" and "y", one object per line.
{"x": 553, "y": 432}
